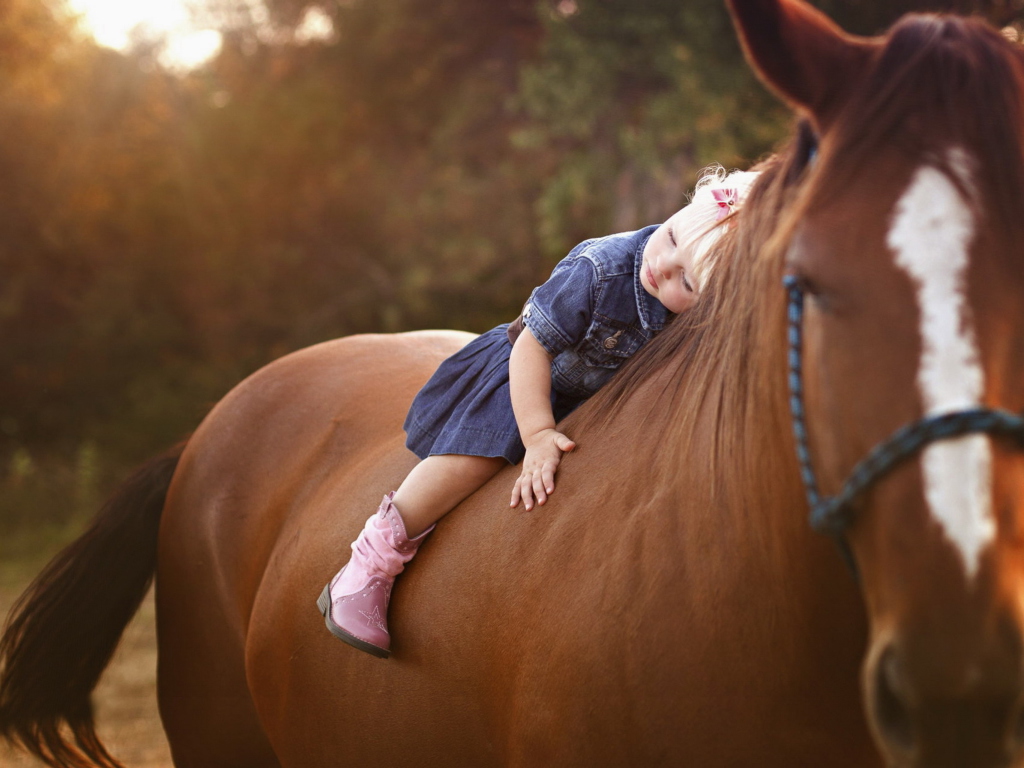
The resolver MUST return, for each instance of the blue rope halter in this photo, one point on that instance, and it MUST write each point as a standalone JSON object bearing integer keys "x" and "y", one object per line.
{"x": 833, "y": 515}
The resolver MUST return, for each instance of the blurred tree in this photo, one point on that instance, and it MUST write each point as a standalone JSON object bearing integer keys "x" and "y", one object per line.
{"x": 630, "y": 99}
{"x": 32, "y": 34}
{"x": 424, "y": 164}
{"x": 411, "y": 181}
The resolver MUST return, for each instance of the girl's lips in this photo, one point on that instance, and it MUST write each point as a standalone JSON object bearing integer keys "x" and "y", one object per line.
{"x": 650, "y": 276}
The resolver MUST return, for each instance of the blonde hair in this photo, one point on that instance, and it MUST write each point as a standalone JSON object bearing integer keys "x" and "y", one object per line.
{"x": 703, "y": 221}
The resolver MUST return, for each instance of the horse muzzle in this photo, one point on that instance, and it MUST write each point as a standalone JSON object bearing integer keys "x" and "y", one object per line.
{"x": 958, "y": 703}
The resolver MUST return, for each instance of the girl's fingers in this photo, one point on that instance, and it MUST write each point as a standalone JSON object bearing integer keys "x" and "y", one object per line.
{"x": 515, "y": 495}
{"x": 527, "y": 493}
{"x": 548, "y": 478}
{"x": 538, "y": 488}
{"x": 565, "y": 444}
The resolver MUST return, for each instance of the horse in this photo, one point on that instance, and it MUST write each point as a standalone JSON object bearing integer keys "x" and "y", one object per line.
{"x": 670, "y": 604}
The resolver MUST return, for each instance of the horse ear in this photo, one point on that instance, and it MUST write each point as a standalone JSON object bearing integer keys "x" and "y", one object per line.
{"x": 800, "y": 53}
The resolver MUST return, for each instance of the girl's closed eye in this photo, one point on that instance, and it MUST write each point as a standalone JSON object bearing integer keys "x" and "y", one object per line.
{"x": 672, "y": 236}
{"x": 686, "y": 282}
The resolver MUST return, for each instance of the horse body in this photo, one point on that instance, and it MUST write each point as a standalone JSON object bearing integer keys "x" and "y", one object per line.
{"x": 606, "y": 630}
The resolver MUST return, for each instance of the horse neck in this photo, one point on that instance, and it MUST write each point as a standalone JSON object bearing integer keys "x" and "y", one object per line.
{"x": 705, "y": 437}
{"x": 730, "y": 429}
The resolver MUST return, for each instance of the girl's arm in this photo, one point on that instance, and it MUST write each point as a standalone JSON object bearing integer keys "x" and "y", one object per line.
{"x": 530, "y": 387}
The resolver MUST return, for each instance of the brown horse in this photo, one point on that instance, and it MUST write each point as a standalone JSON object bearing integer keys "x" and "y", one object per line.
{"x": 670, "y": 605}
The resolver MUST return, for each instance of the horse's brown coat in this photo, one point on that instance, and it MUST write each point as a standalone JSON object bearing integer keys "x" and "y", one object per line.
{"x": 631, "y": 621}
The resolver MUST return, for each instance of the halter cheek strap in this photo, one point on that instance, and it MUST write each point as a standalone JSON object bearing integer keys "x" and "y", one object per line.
{"x": 835, "y": 514}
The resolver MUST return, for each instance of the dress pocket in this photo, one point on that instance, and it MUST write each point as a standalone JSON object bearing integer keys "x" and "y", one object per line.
{"x": 610, "y": 342}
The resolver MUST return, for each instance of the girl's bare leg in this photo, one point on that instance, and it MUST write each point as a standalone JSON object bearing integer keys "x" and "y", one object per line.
{"x": 437, "y": 484}
{"x": 354, "y": 603}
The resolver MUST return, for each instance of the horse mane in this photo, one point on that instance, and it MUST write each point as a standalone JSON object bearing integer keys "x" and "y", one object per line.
{"x": 723, "y": 360}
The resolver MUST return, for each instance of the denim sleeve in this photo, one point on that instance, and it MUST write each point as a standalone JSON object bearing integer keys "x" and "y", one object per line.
{"x": 559, "y": 311}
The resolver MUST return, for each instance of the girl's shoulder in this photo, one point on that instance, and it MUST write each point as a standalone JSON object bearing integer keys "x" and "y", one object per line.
{"x": 611, "y": 255}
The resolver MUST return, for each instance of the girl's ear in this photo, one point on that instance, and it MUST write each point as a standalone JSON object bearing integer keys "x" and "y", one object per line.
{"x": 801, "y": 54}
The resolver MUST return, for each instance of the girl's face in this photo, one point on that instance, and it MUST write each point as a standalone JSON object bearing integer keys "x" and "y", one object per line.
{"x": 667, "y": 270}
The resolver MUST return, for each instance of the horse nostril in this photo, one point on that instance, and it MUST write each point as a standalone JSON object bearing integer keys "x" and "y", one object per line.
{"x": 892, "y": 716}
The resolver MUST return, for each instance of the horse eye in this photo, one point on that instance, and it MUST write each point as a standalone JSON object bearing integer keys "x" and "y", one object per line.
{"x": 815, "y": 294}
{"x": 799, "y": 280}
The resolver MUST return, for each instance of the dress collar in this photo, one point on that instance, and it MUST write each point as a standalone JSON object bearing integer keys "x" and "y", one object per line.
{"x": 652, "y": 312}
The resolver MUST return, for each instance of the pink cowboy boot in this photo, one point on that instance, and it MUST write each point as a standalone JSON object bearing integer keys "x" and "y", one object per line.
{"x": 355, "y": 602}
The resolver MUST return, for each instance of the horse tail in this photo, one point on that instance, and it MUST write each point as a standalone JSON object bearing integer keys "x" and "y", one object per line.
{"x": 65, "y": 627}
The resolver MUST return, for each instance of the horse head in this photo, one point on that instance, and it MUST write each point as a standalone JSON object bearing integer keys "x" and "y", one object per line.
{"x": 905, "y": 239}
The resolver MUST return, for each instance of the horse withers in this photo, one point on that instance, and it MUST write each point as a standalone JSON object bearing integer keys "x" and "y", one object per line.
{"x": 670, "y": 605}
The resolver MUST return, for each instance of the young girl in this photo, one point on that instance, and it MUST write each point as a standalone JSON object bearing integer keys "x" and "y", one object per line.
{"x": 500, "y": 397}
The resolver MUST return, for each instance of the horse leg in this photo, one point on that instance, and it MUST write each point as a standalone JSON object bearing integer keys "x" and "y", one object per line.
{"x": 205, "y": 703}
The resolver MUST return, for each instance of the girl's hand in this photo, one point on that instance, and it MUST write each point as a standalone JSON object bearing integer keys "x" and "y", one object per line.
{"x": 543, "y": 453}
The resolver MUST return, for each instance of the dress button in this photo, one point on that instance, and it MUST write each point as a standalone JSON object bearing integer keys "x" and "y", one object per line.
{"x": 526, "y": 312}
{"x": 611, "y": 342}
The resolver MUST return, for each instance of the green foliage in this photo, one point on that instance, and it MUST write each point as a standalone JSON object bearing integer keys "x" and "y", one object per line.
{"x": 632, "y": 99}
{"x": 46, "y": 499}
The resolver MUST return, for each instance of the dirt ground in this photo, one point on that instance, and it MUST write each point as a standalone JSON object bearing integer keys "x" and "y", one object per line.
{"x": 125, "y": 699}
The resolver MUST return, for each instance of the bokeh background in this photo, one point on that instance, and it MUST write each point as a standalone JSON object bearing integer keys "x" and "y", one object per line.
{"x": 180, "y": 206}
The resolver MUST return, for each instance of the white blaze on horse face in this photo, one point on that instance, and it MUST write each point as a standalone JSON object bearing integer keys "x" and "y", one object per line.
{"x": 931, "y": 234}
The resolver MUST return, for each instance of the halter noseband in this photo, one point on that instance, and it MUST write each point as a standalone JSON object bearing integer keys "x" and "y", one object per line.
{"x": 834, "y": 514}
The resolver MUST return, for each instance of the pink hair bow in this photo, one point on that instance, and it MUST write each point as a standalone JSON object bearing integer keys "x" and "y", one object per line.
{"x": 726, "y": 198}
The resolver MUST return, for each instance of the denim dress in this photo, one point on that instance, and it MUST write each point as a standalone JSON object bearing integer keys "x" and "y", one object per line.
{"x": 591, "y": 315}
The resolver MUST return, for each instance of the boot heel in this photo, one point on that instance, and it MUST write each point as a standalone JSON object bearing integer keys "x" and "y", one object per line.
{"x": 324, "y": 601}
